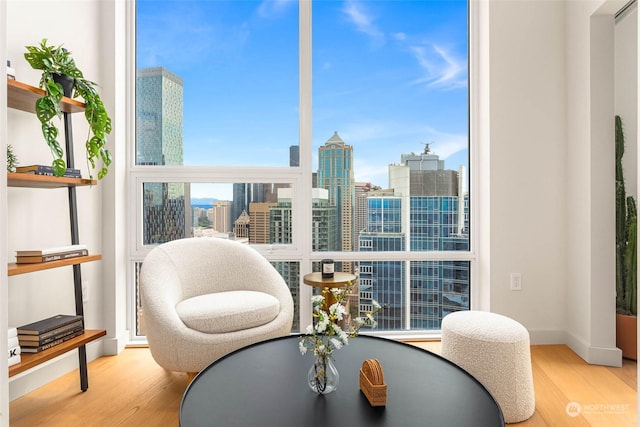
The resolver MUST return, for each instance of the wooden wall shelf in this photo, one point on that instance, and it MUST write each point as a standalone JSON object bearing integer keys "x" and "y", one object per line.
{"x": 31, "y": 360}
{"x": 22, "y": 96}
{"x": 30, "y": 180}
{"x": 15, "y": 269}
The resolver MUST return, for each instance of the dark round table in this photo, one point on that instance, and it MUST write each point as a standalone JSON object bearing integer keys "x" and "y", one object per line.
{"x": 265, "y": 384}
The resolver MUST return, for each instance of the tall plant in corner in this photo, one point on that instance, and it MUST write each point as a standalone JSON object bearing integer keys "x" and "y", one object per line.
{"x": 54, "y": 62}
{"x": 626, "y": 237}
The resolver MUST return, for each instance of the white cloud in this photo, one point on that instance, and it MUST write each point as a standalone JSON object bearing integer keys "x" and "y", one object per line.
{"x": 173, "y": 38}
{"x": 366, "y": 171}
{"x": 400, "y": 36}
{"x": 272, "y": 8}
{"x": 363, "y": 22}
{"x": 441, "y": 68}
{"x": 446, "y": 144}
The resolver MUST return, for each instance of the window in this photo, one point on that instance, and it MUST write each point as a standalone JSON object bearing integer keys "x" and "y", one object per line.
{"x": 366, "y": 165}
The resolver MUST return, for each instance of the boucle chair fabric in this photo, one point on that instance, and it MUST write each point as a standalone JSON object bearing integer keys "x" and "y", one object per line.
{"x": 495, "y": 350}
{"x": 203, "y": 298}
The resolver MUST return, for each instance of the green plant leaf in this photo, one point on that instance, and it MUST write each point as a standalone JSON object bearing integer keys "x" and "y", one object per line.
{"x": 75, "y": 73}
{"x": 59, "y": 167}
{"x": 45, "y": 109}
{"x": 50, "y": 133}
{"x": 35, "y": 60}
{"x": 102, "y": 173}
{"x": 55, "y": 90}
{"x": 93, "y": 146}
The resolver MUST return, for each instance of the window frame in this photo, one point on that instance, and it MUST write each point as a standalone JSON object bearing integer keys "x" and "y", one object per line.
{"x": 300, "y": 177}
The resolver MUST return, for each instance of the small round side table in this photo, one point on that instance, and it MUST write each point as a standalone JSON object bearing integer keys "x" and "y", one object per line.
{"x": 339, "y": 280}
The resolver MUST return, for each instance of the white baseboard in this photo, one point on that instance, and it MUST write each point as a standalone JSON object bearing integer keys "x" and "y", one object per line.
{"x": 546, "y": 337}
{"x": 114, "y": 345}
{"x": 595, "y": 355}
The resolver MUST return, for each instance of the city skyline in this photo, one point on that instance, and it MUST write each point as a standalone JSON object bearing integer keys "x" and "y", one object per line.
{"x": 388, "y": 76}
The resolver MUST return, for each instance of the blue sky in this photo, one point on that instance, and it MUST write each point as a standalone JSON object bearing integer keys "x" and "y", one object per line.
{"x": 387, "y": 75}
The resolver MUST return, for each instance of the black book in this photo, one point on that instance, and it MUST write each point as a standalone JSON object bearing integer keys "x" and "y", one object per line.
{"x": 45, "y": 325}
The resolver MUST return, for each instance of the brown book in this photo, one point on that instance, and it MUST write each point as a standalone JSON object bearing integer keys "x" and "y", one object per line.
{"x": 57, "y": 333}
{"x": 34, "y": 259}
{"x": 51, "y": 251}
{"x": 47, "y": 170}
{"x": 51, "y": 344}
{"x": 29, "y": 341}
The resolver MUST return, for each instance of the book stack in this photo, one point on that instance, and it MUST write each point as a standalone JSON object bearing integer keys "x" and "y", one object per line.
{"x": 14, "y": 347}
{"x": 51, "y": 254}
{"x": 47, "y": 170}
{"x": 49, "y": 332}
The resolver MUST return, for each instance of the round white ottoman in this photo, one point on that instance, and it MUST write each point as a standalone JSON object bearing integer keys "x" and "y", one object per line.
{"x": 495, "y": 350}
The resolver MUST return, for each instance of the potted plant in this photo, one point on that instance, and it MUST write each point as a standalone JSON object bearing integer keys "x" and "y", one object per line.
{"x": 626, "y": 259}
{"x": 59, "y": 69}
{"x": 12, "y": 160}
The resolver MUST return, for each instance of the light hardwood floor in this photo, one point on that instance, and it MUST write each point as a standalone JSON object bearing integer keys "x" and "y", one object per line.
{"x": 132, "y": 390}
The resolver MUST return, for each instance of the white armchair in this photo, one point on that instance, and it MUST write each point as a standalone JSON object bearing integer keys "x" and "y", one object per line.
{"x": 203, "y": 298}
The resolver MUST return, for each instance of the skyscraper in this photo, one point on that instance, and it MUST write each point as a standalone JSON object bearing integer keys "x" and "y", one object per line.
{"x": 383, "y": 281}
{"x": 222, "y": 221}
{"x": 324, "y": 236}
{"x": 241, "y": 227}
{"x": 362, "y": 190}
{"x": 417, "y": 214}
{"x": 241, "y": 198}
{"x": 294, "y": 155}
{"x": 159, "y": 141}
{"x": 260, "y": 223}
{"x": 335, "y": 173}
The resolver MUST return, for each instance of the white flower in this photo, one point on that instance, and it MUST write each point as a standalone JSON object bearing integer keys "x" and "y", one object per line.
{"x": 325, "y": 334}
{"x": 321, "y": 326}
{"x": 344, "y": 337}
{"x": 376, "y": 306}
{"x": 336, "y": 343}
{"x": 338, "y": 310}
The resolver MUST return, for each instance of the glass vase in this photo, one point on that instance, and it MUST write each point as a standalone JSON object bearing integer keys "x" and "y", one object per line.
{"x": 323, "y": 376}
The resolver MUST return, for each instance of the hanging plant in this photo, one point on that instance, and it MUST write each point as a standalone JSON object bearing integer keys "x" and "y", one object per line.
{"x": 55, "y": 62}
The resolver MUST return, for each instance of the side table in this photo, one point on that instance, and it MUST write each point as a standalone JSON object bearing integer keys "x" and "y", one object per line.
{"x": 339, "y": 280}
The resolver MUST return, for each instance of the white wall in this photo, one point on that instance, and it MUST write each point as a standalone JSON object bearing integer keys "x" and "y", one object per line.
{"x": 527, "y": 164}
{"x": 590, "y": 284}
{"x": 40, "y": 218}
{"x": 551, "y": 171}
